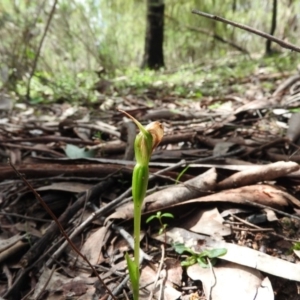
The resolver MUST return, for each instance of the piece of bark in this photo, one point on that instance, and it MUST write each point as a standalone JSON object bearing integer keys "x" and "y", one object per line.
{"x": 75, "y": 170}
{"x": 130, "y": 129}
{"x": 285, "y": 85}
{"x": 260, "y": 193}
{"x": 261, "y": 173}
{"x": 37, "y": 170}
{"x": 279, "y": 157}
{"x": 195, "y": 187}
{"x": 293, "y": 131}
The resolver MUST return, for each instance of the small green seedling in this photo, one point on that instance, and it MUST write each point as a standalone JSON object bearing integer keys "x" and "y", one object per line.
{"x": 296, "y": 246}
{"x": 159, "y": 217}
{"x": 204, "y": 258}
{"x": 98, "y": 135}
{"x": 181, "y": 173}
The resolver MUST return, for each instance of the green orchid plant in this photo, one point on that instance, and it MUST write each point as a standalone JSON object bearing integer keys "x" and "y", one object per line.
{"x": 145, "y": 142}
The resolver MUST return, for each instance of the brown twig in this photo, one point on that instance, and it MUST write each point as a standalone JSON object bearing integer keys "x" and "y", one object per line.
{"x": 40, "y": 294}
{"x": 250, "y": 29}
{"x": 274, "y": 209}
{"x": 45, "y": 206}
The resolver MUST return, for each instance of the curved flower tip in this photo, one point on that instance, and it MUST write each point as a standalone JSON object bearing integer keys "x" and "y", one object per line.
{"x": 156, "y": 129}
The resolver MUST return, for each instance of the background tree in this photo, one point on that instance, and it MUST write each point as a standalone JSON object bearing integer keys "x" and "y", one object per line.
{"x": 273, "y": 27}
{"x": 153, "y": 53}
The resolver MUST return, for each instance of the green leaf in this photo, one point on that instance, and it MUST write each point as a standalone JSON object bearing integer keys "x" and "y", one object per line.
{"x": 133, "y": 270}
{"x": 296, "y": 246}
{"x": 181, "y": 248}
{"x": 181, "y": 173}
{"x": 189, "y": 261}
{"x": 30, "y": 54}
{"x": 202, "y": 262}
{"x": 151, "y": 218}
{"x": 213, "y": 261}
{"x": 215, "y": 252}
{"x": 167, "y": 215}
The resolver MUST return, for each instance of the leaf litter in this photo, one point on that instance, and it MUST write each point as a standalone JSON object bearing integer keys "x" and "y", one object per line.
{"x": 227, "y": 169}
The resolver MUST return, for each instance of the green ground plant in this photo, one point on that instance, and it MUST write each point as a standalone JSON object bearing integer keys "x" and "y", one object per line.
{"x": 159, "y": 216}
{"x": 204, "y": 258}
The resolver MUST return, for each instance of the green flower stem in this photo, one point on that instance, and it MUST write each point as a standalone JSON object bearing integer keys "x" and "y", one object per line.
{"x": 143, "y": 149}
{"x": 139, "y": 188}
{"x": 137, "y": 233}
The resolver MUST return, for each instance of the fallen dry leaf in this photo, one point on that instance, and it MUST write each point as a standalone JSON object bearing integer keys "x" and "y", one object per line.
{"x": 262, "y": 194}
{"x": 93, "y": 245}
{"x": 230, "y": 281}
{"x": 207, "y": 222}
{"x": 147, "y": 278}
{"x": 174, "y": 270}
{"x": 56, "y": 283}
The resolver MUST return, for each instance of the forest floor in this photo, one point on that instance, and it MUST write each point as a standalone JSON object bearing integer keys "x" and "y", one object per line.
{"x": 227, "y": 170}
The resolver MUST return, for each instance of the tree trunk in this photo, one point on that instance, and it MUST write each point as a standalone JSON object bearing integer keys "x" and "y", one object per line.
{"x": 273, "y": 28}
{"x": 153, "y": 53}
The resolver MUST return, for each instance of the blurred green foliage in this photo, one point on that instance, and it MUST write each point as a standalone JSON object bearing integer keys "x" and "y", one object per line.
{"x": 86, "y": 35}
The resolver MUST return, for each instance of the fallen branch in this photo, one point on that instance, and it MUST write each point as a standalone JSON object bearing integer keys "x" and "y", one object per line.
{"x": 261, "y": 173}
{"x": 250, "y": 29}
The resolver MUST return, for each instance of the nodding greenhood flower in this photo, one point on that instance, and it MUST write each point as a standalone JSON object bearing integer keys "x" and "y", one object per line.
{"x": 145, "y": 142}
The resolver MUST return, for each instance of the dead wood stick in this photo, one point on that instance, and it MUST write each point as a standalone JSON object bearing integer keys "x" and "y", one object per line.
{"x": 131, "y": 133}
{"x": 33, "y": 148}
{"x": 267, "y": 145}
{"x": 48, "y": 139}
{"x": 261, "y": 173}
{"x": 286, "y": 84}
{"x": 48, "y": 170}
{"x": 209, "y": 33}
{"x": 250, "y": 29}
{"x": 277, "y": 157}
{"x": 78, "y": 170}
